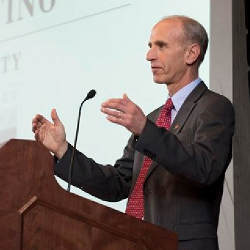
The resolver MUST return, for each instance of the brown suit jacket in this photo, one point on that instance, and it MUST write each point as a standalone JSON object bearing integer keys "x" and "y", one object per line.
{"x": 184, "y": 184}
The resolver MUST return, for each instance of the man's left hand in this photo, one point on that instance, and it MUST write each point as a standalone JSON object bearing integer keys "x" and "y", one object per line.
{"x": 125, "y": 113}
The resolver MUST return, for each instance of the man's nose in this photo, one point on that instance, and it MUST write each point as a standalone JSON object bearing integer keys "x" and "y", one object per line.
{"x": 151, "y": 54}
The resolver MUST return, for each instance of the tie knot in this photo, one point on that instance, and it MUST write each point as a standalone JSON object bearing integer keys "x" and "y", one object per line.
{"x": 164, "y": 119}
{"x": 169, "y": 104}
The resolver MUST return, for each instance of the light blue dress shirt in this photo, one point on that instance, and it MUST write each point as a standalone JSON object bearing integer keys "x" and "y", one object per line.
{"x": 180, "y": 96}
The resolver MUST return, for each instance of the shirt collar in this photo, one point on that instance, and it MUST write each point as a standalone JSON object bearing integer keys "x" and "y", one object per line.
{"x": 180, "y": 96}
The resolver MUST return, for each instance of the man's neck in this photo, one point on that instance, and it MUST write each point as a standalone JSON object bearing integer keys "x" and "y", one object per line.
{"x": 176, "y": 86}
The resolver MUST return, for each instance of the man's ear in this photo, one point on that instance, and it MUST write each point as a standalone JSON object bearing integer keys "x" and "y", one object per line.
{"x": 192, "y": 53}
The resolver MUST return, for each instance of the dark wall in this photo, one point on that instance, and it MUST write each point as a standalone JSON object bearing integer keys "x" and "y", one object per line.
{"x": 247, "y": 20}
{"x": 241, "y": 99}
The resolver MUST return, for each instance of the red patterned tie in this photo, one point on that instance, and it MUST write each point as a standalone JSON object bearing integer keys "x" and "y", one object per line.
{"x": 135, "y": 206}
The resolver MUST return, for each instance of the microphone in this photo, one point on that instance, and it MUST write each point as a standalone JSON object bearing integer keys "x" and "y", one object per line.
{"x": 90, "y": 95}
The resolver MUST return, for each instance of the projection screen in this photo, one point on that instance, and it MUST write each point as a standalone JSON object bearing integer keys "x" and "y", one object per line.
{"x": 53, "y": 52}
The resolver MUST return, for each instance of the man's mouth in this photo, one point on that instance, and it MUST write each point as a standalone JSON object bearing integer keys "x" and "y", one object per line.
{"x": 155, "y": 69}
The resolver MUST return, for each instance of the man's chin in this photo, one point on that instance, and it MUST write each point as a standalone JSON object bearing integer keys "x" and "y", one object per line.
{"x": 158, "y": 81}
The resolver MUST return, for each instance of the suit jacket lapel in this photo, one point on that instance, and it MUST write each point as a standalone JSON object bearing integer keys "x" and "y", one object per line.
{"x": 187, "y": 108}
{"x": 183, "y": 114}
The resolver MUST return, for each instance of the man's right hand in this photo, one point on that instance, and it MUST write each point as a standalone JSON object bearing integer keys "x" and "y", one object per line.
{"x": 51, "y": 135}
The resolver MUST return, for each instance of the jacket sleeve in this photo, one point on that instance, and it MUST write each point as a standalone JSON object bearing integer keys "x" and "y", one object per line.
{"x": 110, "y": 183}
{"x": 204, "y": 160}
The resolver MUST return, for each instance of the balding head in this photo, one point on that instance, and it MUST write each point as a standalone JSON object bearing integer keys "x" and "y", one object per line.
{"x": 193, "y": 32}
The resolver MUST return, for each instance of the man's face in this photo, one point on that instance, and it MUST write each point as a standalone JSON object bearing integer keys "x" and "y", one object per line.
{"x": 167, "y": 52}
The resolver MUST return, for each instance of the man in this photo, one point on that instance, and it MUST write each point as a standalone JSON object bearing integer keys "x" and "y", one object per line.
{"x": 174, "y": 164}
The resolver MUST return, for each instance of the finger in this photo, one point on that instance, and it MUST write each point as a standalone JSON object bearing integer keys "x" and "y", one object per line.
{"x": 116, "y": 120}
{"x": 37, "y": 136}
{"x": 129, "y": 103}
{"x": 114, "y": 101}
{"x": 125, "y": 98}
{"x": 34, "y": 127}
{"x": 112, "y": 112}
{"x": 55, "y": 117}
{"x": 116, "y": 107}
{"x": 37, "y": 122}
{"x": 39, "y": 118}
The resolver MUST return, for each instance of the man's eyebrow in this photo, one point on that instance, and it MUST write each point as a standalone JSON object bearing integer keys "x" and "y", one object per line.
{"x": 158, "y": 43}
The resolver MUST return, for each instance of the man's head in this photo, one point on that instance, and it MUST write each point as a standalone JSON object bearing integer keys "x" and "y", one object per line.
{"x": 177, "y": 47}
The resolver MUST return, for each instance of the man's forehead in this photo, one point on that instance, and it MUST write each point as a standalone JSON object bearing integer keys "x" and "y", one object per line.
{"x": 166, "y": 29}
{"x": 168, "y": 24}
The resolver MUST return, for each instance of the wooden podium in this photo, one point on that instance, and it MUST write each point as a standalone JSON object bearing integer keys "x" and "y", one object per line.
{"x": 37, "y": 214}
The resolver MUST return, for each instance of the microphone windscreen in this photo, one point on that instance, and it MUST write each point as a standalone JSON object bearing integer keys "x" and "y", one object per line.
{"x": 91, "y": 94}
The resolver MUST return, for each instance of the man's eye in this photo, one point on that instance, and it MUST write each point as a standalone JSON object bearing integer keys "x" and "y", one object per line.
{"x": 162, "y": 45}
